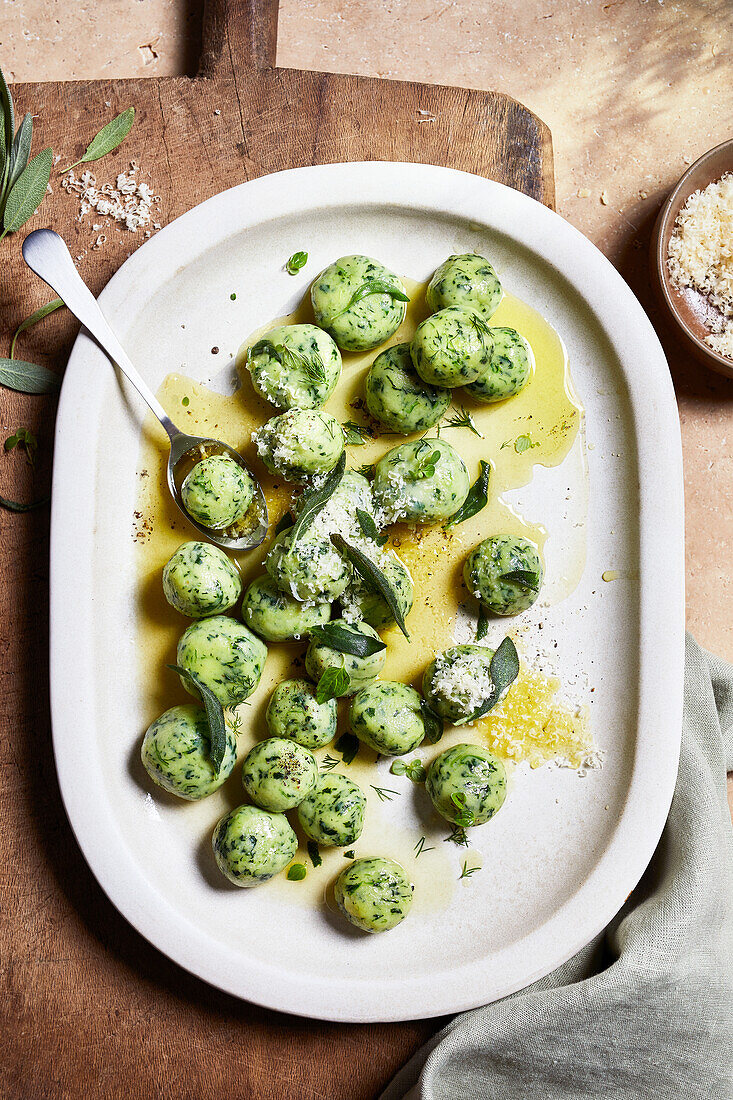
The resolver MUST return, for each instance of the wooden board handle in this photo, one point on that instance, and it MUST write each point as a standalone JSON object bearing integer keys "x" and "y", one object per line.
{"x": 239, "y": 33}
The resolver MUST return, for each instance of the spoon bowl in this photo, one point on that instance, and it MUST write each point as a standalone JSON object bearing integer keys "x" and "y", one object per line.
{"x": 47, "y": 255}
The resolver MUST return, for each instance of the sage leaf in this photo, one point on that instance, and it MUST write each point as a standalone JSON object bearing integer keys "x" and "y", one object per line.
{"x": 296, "y": 262}
{"x": 315, "y": 855}
{"x": 34, "y": 318}
{"x": 372, "y": 286}
{"x": 369, "y": 527}
{"x": 432, "y": 722}
{"x": 478, "y": 498}
{"x": 313, "y": 500}
{"x": 20, "y": 151}
{"x": 347, "y": 640}
{"x": 15, "y": 506}
{"x": 525, "y": 578}
{"x": 108, "y": 138}
{"x": 25, "y": 377}
{"x": 465, "y": 818}
{"x": 7, "y": 129}
{"x": 482, "y": 626}
{"x": 348, "y": 746}
{"x": 28, "y": 192}
{"x": 214, "y": 716}
{"x": 334, "y": 683}
{"x": 285, "y": 522}
{"x": 504, "y": 669}
{"x": 373, "y": 578}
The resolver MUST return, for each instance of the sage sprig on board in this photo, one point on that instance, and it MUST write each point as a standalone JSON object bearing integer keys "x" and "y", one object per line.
{"x": 26, "y": 440}
{"x": 347, "y": 640}
{"x": 214, "y": 716}
{"x": 525, "y": 578}
{"x": 314, "y": 499}
{"x": 35, "y": 317}
{"x": 18, "y": 374}
{"x": 23, "y": 183}
{"x": 108, "y": 138}
{"x": 478, "y": 498}
{"x": 372, "y": 286}
{"x": 373, "y": 578}
{"x": 504, "y": 669}
{"x": 16, "y": 506}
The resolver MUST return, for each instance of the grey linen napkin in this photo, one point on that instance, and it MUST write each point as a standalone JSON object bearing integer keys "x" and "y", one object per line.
{"x": 646, "y": 1010}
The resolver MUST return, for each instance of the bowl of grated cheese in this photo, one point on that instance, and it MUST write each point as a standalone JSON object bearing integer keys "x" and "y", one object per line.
{"x": 692, "y": 258}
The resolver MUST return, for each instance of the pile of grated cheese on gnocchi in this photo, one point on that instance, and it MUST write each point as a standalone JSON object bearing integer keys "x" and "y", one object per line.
{"x": 331, "y": 582}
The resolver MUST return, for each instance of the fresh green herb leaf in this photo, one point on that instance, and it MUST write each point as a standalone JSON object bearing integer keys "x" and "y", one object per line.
{"x": 463, "y": 419}
{"x": 185, "y": 402}
{"x": 296, "y": 872}
{"x": 504, "y": 669}
{"x": 329, "y": 763}
{"x": 334, "y": 683}
{"x": 465, "y": 818}
{"x": 313, "y": 500}
{"x": 414, "y": 770}
{"x": 356, "y": 433}
{"x": 525, "y": 578}
{"x": 296, "y": 261}
{"x": 372, "y": 286}
{"x": 35, "y": 317}
{"x": 233, "y": 297}
{"x": 28, "y": 192}
{"x": 384, "y": 793}
{"x": 15, "y": 506}
{"x": 373, "y": 578}
{"x": 310, "y": 365}
{"x": 478, "y": 498}
{"x": 482, "y": 626}
{"x": 108, "y": 138}
{"x": 398, "y": 767}
{"x": 433, "y": 723}
{"x": 347, "y": 639}
{"x": 425, "y": 466}
{"x": 20, "y": 151}
{"x": 314, "y": 854}
{"x": 214, "y": 716}
{"x": 26, "y": 440}
{"x": 458, "y": 836}
{"x": 367, "y": 470}
{"x": 369, "y": 527}
{"x": 524, "y": 443}
{"x": 7, "y": 129}
{"x": 467, "y": 871}
{"x": 348, "y": 746}
{"x": 17, "y": 374}
{"x": 285, "y": 522}
{"x": 420, "y": 847}
{"x": 349, "y": 854}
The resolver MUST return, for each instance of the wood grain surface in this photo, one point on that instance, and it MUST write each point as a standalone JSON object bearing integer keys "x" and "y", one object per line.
{"x": 89, "y": 1008}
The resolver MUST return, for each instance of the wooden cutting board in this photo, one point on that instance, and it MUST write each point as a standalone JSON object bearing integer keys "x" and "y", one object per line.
{"x": 89, "y": 1008}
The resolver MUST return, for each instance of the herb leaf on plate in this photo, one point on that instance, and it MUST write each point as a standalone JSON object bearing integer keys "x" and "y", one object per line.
{"x": 214, "y": 716}
{"x": 478, "y": 498}
{"x": 313, "y": 500}
{"x": 373, "y": 578}
{"x": 296, "y": 262}
{"x": 347, "y": 640}
{"x": 504, "y": 669}
{"x": 334, "y": 683}
{"x": 525, "y": 578}
{"x": 348, "y": 746}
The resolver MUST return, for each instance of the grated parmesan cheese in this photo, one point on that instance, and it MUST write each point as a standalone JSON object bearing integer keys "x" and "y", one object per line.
{"x": 701, "y": 257}
{"x": 129, "y": 202}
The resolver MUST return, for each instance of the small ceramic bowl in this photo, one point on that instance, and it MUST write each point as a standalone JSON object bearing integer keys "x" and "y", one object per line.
{"x": 680, "y": 305}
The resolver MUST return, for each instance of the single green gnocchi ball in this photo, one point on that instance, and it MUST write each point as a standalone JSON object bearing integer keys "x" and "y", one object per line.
{"x": 373, "y": 317}
{"x": 424, "y": 481}
{"x": 358, "y": 602}
{"x": 458, "y": 681}
{"x": 217, "y": 492}
{"x": 333, "y": 812}
{"x": 309, "y": 569}
{"x": 295, "y": 713}
{"x": 295, "y": 366}
{"x": 277, "y": 774}
{"x": 226, "y": 656}
{"x": 452, "y": 347}
{"x": 467, "y": 784}
{"x": 252, "y": 845}
{"x": 176, "y": 753}
{"x": 397, "y": 397}
{"x": 505, "y": 573}
{"x": 277, "y": 617}
{"x": 509, "y": 368}
{"x": 299, "y": 444}
{"x": 200, "y": 580}
{"x": 361, "y": 671}
{"x": 387, "y": 717}
{"x": 467, "y": 281}
{"x": 374, "y": 894}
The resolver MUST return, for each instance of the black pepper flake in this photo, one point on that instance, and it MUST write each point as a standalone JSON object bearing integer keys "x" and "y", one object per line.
{"x": 214, "y": 351}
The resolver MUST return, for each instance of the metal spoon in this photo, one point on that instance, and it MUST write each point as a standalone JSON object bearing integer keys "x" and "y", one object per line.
{"x": 46, "y": 253}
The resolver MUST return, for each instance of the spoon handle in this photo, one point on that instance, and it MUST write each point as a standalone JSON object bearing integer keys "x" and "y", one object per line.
{"x": 46, "y": 253}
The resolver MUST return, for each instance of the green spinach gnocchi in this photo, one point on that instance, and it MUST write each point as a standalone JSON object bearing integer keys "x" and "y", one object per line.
{"x": 387, "y": 716}
{"x": 467, "y": 281}
{"x": 452, "y": 348}
{"x": 374, "y": 894}
{"x": 299, "y": 444}
{"x": 308, "y": 569}
{"x": 217, "y": 492}
{"x": 458, "y": 681}
{"x": 276, "y": 617}
{"x": 508, "y": 370}
{"x": 352, "y": 302}
{"x": 505, "y": 573}
{"x": 333, "y": 812}
{"x": 295, "y": 366}
{"x": 200, "y": 580}
{"x": 397, "y": 396}
{"x": 252, "y": 845}
{"x": 467, "y": 784}
{"x": 361, "y": 670}
{"x": 176, "y": 753}
{"x": 277, "y": 774}
{"x": 421, "y": 482}
{"x": 295, "y": 713}
{"x": 360, "y": 602}
{"x": 226, "y": 656}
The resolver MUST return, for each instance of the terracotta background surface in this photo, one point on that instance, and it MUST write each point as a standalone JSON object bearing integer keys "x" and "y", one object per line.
{"x": 633, "y": 91}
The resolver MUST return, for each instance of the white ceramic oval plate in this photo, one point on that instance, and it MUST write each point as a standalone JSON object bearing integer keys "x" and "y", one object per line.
{"x": 565, "y": 851}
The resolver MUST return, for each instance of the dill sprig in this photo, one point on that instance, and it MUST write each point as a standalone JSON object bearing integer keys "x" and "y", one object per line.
{"x": 384, "y": 793}
{"x": 463, "y": 419}
{"x": 420, "y": 847}
{"x": 467, "y": 871}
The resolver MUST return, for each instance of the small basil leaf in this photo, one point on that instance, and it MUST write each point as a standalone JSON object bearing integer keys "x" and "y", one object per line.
{"x": 334, "y": 683}
{"x": 296, "y": 262}
{"x": 478, "y": 498}
{"x": 525, "y": 578}
{"x": 313, "y": 500}
{"x": 296, "y": 872}
{"x": 347, "y": 640}
{"x": 373, "y": 578}
{"x": 465, "y": 818}
{"x": 214, "y": 716}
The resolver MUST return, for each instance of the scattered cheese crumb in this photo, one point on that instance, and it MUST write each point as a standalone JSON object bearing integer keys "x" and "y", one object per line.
{"x": 604, "y": 198}
{"x": 129, "y": 202}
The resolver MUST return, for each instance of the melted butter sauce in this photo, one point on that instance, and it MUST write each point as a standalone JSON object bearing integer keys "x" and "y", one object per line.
{"x": 530, "y": 724}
